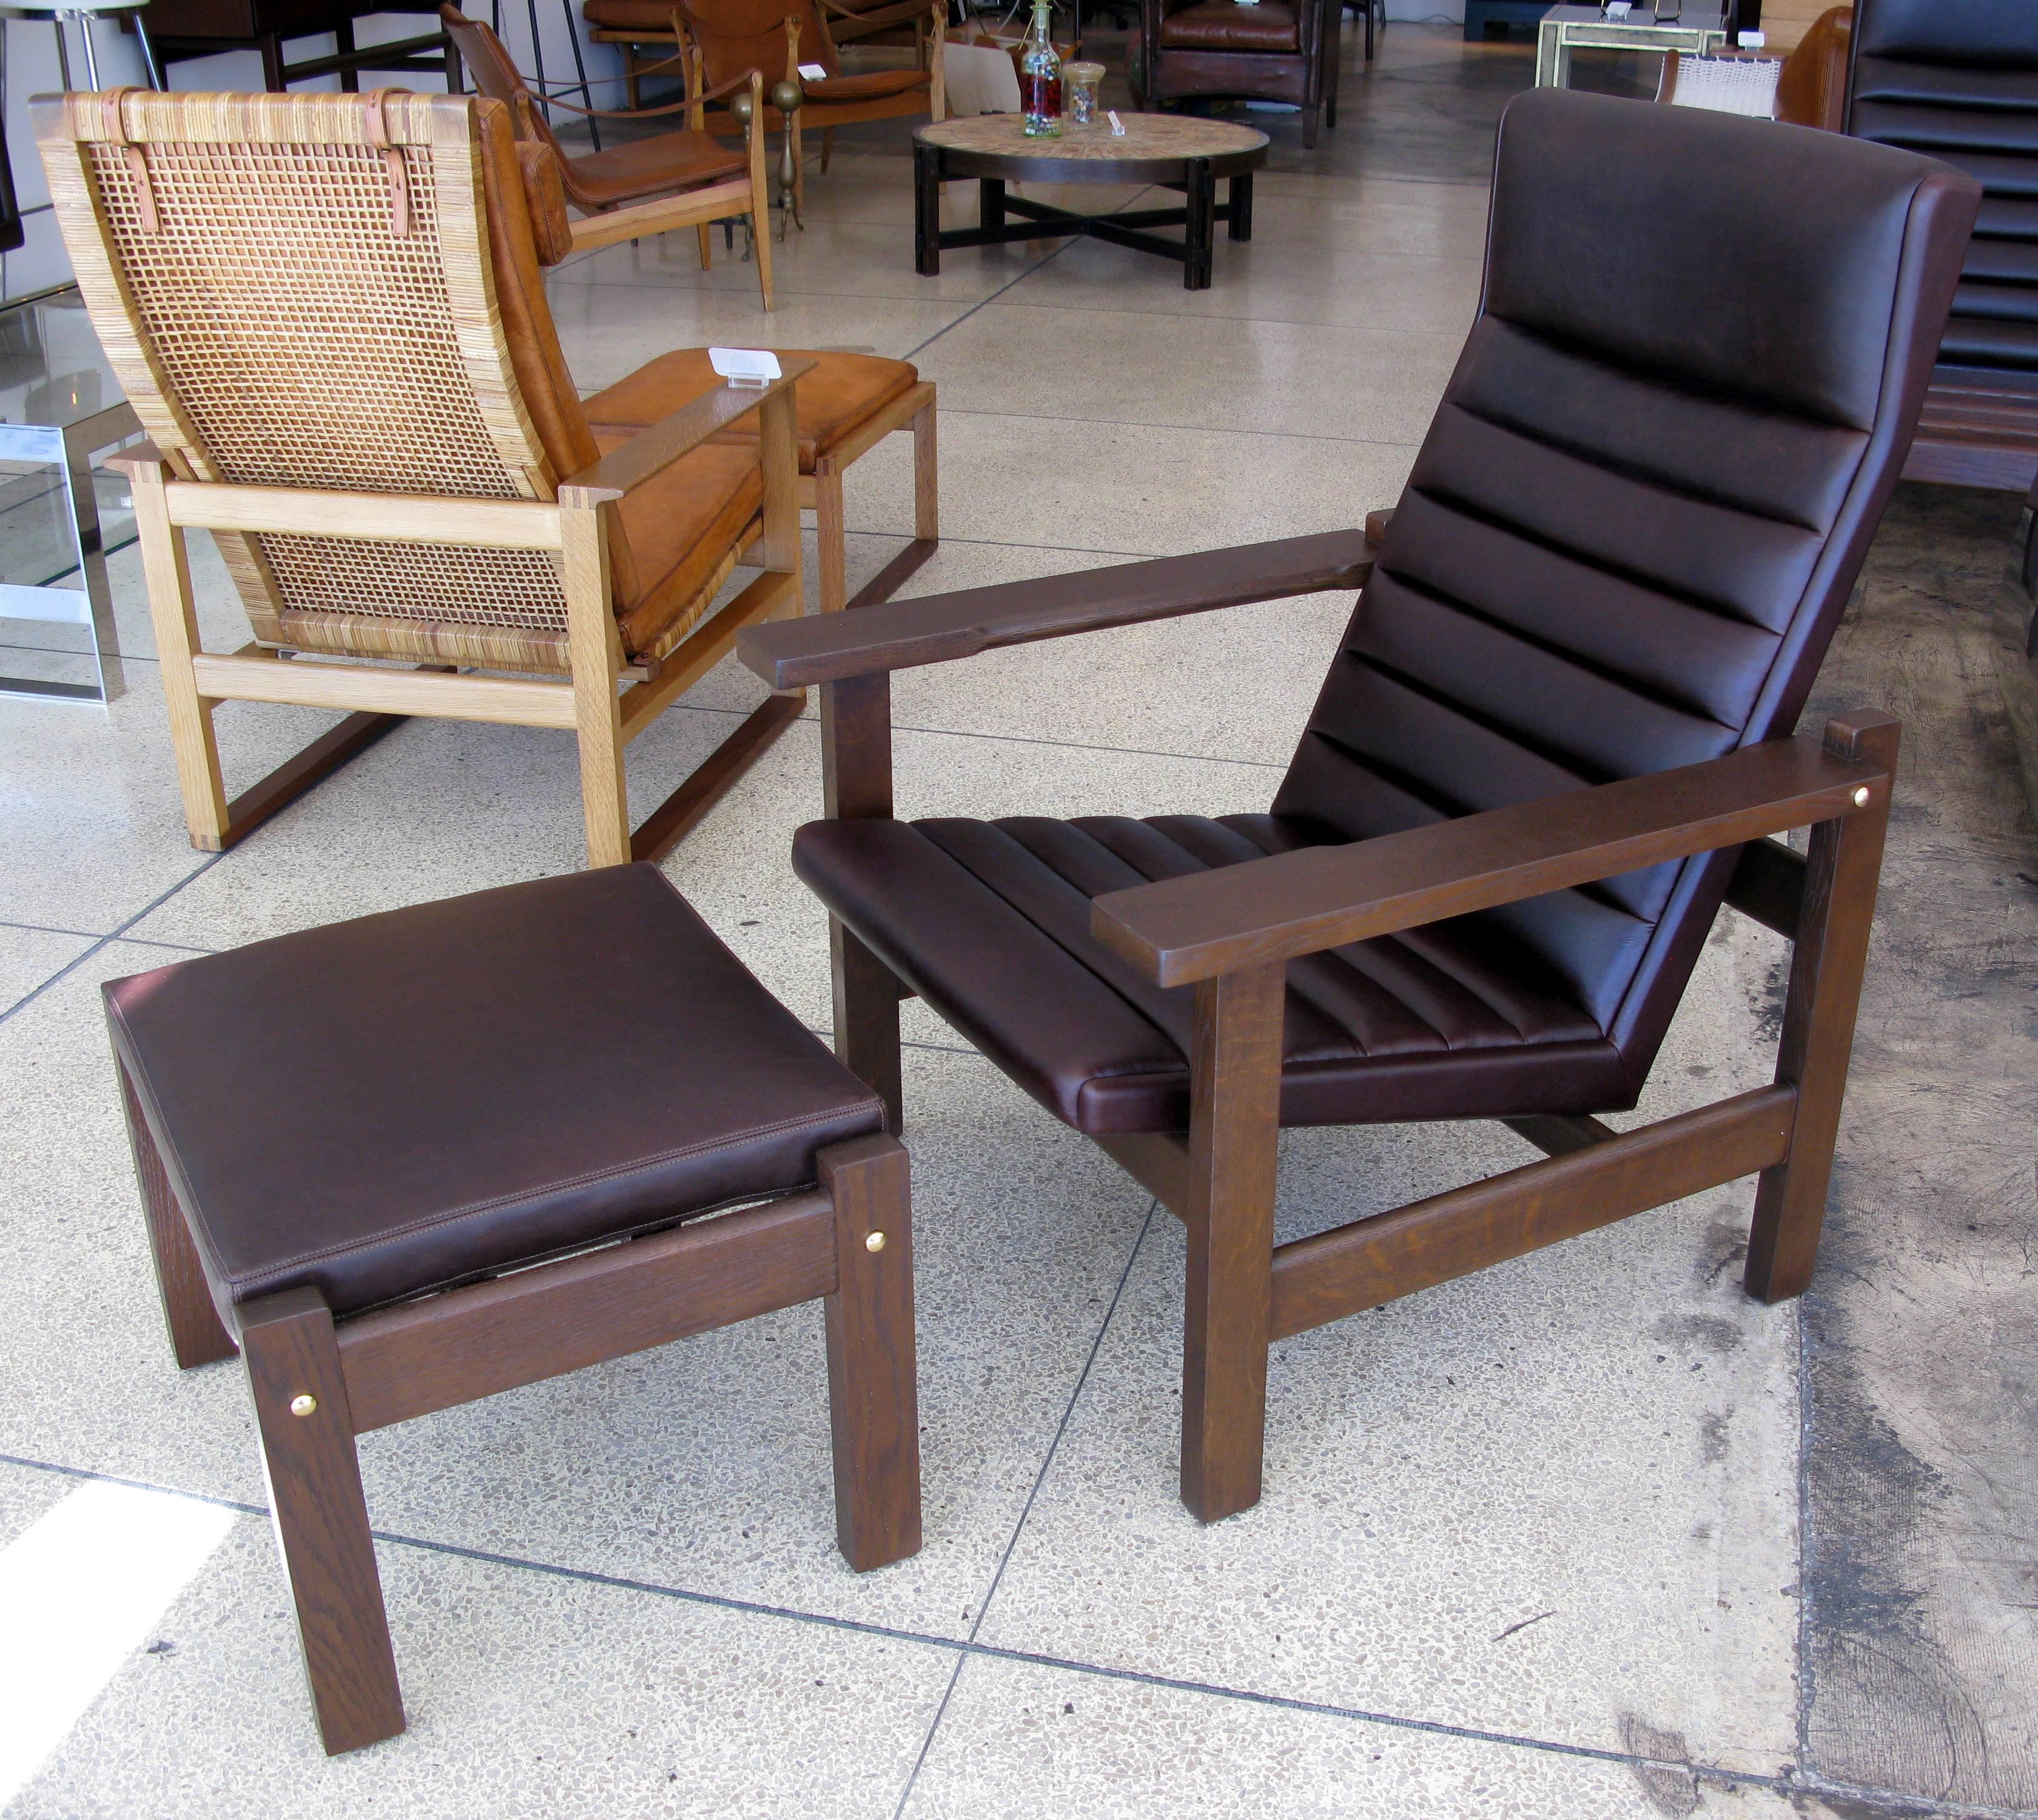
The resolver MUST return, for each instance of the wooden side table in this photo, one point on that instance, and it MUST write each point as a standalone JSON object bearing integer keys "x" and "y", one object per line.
{"x": 1173, "y": 151}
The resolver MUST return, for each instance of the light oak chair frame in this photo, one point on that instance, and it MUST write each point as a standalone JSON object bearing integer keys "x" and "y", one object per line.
{"x": 1229, "y": 933}
{"x": 589, "y": 704}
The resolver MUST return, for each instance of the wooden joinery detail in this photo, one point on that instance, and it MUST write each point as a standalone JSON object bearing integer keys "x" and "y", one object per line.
{"x": 856, "y": 747}
{"x": 1826, "y": 968}
{"x": 936, "y": 628}
{"x": 419, "y": 1356}
{"x": 1768, "y": 885}
{"x": 1195, "y": 927}
{"x": 1234, "y": 1130}
{"x": 1157, "y": 1161}
{"x": 321, "y": 1517}
{"x": 872, "y": 1369}
{"x": 1336, "y": 1273}
{"x": 1559, "y": 1136}
{"x": 197, "y": 1337}
{"x": 866, "y": 1021}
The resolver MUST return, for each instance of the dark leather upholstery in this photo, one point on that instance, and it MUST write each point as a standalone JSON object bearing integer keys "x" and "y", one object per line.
{"x": 1958, "y": 79}
{"x": 1278, "y": 50}
{"x": 406, "y": 1101}
{"x": 1225, "y": 26}
{"x": 1624, "y": 546}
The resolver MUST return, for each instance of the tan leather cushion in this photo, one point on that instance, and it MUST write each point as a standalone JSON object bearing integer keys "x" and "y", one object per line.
{"x": 827, "y": 404}
{"x": 1225, "y": 25}
{"x": 545, "y": 196}
{"x": 680, "y": 526}
{"x": 644, "y": 168}
{"x": 876, "y": 85}
{"x": 630, "y": 16}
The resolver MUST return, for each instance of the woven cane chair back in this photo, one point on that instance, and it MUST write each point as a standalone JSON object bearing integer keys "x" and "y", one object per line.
{"x": 297, "y": 290}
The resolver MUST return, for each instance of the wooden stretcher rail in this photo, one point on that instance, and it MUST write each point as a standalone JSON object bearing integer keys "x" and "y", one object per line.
{"x": 431, "y": 1354}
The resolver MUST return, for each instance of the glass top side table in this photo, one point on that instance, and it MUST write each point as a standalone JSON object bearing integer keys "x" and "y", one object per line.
{"x": 1698, "y": 30}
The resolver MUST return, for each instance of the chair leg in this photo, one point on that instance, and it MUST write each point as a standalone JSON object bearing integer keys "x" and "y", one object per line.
{"x": 1228, "y": 1311}
{"x": 827, "y": 147}
{"x": 760, "y": 209}
{"x": 1841, "y": 872}
{"x": 705, "y": 235}
{"x": 873, "y": 1403}
{"x": 1311, "y": 116}
{"x": 831, "y": 533}
{"x": 321, "y": 1517}
{"x": 197, "y": 1335}
{"x": 167, "y": 570}
{"x": 595, "y": 652}
{"x": 927, "y": 484}
{"x": 866, "y": 1021}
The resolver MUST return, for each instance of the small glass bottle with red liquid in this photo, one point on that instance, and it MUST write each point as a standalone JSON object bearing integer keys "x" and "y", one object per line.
{"x": 1040, "y": 78}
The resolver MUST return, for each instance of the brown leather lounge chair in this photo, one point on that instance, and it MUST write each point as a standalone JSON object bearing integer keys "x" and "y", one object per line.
{"x": 1958, "y": 80}
{"x": 685, "y": 178}
{"x": 1811, "y": 82}
{"x": 1558, "y": 733}
{"x": 1276, "y": 51}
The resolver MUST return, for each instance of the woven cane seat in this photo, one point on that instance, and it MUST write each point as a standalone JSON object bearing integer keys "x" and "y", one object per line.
{"x": 842, "y": 392}
{"x": 481, "y": 1082}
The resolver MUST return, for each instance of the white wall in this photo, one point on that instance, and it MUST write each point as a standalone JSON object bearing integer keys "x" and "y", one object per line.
{"x": 40, "y": 263}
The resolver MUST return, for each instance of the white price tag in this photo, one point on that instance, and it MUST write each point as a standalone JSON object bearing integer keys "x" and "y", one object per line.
{"x": 744, "y": 365}
{"x": 813, "y": 72}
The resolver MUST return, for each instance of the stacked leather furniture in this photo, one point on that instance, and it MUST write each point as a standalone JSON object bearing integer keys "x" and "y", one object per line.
{"x": 1958, "y": 80}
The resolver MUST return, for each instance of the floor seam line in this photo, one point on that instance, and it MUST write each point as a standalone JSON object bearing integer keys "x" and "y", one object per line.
{"x": 914, "y": 353}
{"x": 964, "y": 1647}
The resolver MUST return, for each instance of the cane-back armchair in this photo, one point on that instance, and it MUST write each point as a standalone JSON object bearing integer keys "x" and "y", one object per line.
{"x": 1557, "y": 733}
{"x": 683, "y": 178}
{"x": 328, "y": 312}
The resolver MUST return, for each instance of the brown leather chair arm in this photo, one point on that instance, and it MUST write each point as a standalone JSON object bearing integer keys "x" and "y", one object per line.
{"x": 659, "y": 445}
{"x": 904, "y": 635}
{"x": 1208, "y": 923}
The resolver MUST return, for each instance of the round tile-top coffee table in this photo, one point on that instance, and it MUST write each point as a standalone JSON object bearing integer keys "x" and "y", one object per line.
{"x": 1171, "y": 149}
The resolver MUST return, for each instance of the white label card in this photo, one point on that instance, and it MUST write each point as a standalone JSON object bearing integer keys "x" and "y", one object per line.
{"x": 744, "y": 365}
{"x": 813, "y": 72}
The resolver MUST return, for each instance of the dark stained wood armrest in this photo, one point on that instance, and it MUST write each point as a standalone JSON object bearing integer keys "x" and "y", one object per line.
{"x": 658, "y": 445}
{"x": 904, "y": 635}
{"x": 1207, "y": 923}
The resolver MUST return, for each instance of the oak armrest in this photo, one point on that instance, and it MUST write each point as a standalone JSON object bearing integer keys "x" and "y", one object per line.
{"x": 659, "y": 445}
{"x": 1207, "y": 923}
{"x": 936, "y": 628}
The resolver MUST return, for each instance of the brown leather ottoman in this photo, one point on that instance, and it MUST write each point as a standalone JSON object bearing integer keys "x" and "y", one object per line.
{"x": 420, "y": 1158}
{"x": 847, "y": 404}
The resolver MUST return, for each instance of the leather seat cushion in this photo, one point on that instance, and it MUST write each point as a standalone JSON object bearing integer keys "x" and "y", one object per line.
{"x": 1225, "y": 25}
{"x": 639, "y": 169}
{"x": 842, "y": 390}
{"x": 990, "y": 922}
{"x": 630, "y": 16}
{"x": 679, "y": 528}
{"x": 869, "y": 85}
{"x": 409, "y": 1101}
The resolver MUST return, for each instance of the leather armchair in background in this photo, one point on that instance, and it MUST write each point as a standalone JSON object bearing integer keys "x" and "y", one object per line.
{"x": 1277, "y": 50}
{"x": 1958, "y": 80}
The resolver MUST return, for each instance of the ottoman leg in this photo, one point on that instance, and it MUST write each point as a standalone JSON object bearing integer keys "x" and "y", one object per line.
{"x": 197, "y": 1337}
{"x": 873, "y": 1404}
{"x": 321, "y": 1517}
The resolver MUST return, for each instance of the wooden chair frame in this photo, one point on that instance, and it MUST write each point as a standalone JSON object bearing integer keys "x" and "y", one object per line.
{"x": 317, "y": 1383}
{"x": 575, "y": 528}
{"x": 821, "y": 493}
{"x": 1229, "y": 932}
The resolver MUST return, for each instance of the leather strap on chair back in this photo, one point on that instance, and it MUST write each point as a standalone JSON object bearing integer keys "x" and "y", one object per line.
{"x": 736, "y": 35}
{"x": 341, "y": 292}
{"x": 1643, "y": 502}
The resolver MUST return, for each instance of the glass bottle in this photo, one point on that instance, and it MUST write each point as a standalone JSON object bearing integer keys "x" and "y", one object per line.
{"x": 1040, "y": 78}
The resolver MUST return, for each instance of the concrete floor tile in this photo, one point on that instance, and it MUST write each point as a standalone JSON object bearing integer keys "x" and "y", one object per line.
{"x": 528, "y": 1694}
{"x": 1554, "y": 1498}
{"x": 25, "y": 1494}
{"x": 28, "y": 957}
{"x": 1019, "y": 1738}
{"x": 1194, "y": 373}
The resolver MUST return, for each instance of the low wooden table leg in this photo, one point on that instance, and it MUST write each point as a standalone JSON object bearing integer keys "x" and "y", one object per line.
{"x": 1200, "y": 228}
{"x": 990, "y": 202}
{"x": 873, "y": 1371}
{"x": 1240, "y": 222}
{"x": 926, "y": 211}
{"x": 321, "y": 1517}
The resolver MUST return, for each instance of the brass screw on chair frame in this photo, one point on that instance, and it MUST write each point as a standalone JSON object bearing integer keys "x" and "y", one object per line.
{"x": 874, "y": 1242}
{"x": 788, "y": 99}
{"x": 304, "y": 1404}
{"x": 1861, "y": 798}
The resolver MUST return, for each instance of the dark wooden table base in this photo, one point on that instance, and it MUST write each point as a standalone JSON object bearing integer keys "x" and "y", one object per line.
{"x": 1199, "y": 216}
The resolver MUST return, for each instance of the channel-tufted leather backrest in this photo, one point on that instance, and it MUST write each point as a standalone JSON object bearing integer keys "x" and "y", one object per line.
{"x": 1958, "y": 80}
{"x": 1643, "y": 501}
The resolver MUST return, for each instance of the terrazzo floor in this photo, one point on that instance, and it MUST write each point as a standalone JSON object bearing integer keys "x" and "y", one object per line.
{"x": 1566, "y": 1538}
